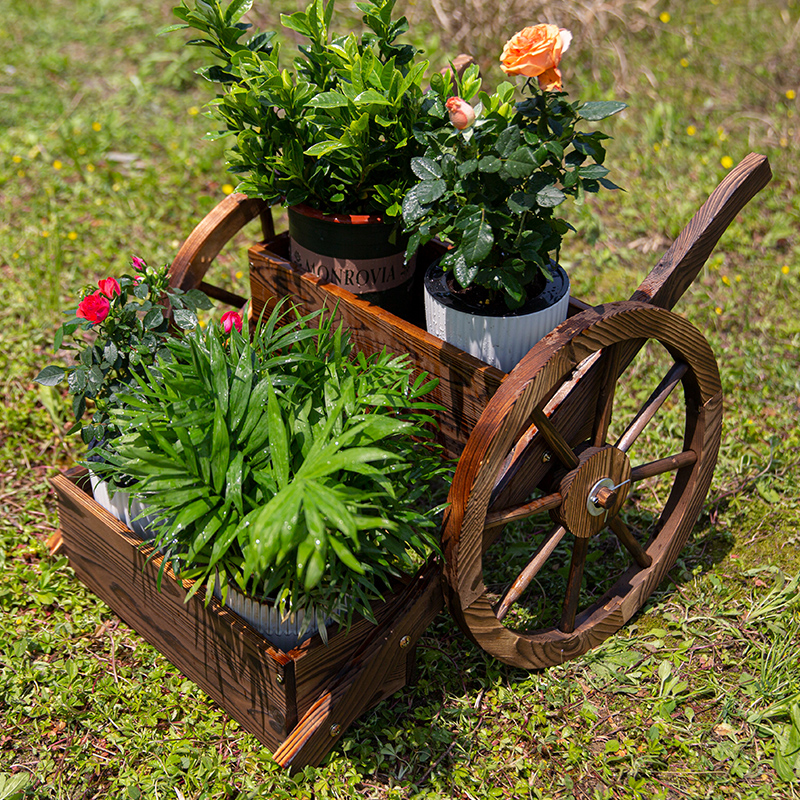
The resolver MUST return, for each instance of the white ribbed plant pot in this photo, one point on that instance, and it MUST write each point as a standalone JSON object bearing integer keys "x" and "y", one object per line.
{"x": 265, "y": 617}
{"x": 499, "y": 341}
{"x": 123, "y": 507}
{"x": 142, "y": 523}
{"x": 117, "y": 504}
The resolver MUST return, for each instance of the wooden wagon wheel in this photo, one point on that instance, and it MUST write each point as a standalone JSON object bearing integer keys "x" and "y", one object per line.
{"x": 206, "y": 241}
{"x": 546, "y": 431}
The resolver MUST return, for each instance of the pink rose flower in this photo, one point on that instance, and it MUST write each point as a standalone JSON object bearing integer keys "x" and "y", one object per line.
{"x": 462, "y": 115}
{"x": 138, "y": 263}
{"x": 229, "y": 319}
{"x": 109, "y": 287}
{"x": 94, "y": 307}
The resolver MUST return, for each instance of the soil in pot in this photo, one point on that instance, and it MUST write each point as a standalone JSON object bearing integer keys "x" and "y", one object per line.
{"x": 358, "y": 252}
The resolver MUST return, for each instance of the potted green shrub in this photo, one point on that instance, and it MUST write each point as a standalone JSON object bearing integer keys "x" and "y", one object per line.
{"x": 333, "y": 140}
{"x": 118, "y": 330}
{"x": 286, "y": 472}
{"x": 488, "y": 184}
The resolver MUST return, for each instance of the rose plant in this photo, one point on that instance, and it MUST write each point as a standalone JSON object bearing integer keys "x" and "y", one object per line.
{"x": 286, "y": 466}
{"x": 489, "y": 182}
{"x": 118, "y": 329}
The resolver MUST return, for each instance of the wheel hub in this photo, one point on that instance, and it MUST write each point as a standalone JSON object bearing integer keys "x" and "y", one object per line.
{"x": 594, "y": 491}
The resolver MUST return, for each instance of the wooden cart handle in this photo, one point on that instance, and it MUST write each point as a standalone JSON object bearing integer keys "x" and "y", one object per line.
{"x": 209, "y": 237}
{"x": 679, "y": 266}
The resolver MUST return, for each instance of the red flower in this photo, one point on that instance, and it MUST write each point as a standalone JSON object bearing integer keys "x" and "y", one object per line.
{"x": 138, "y": 263}
{"x": 94, "y": 307}
{"x": 229, "y": 319}
{"x": 109, "y": 287}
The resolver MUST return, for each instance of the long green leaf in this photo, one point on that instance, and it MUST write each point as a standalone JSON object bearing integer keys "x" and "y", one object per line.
{"x": 220, "y": 450}
{"x": 278, "y": 440}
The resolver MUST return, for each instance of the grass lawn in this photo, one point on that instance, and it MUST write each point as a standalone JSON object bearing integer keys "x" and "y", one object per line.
{"x": 102, "y": 157}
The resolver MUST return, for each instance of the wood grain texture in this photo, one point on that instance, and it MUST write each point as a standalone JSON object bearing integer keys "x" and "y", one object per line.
{"x": 531, "y": 570}
{"x": 267, "y": 691}
{"x": 680, "y": 265}
{"x": 493, "y": 438}
{"x": 595, "y": 463}
{"x": 213, "y": 232}
{"x": 465, "y": 383}
{"x": 376, "y": 669}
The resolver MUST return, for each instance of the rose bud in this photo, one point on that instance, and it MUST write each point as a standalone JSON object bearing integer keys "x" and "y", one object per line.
{"x": 462, "y": 115}
{"x": 230, "y": 319}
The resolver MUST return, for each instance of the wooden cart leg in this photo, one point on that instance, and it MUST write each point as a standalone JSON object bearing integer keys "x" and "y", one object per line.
{"x": 366, "y": 679}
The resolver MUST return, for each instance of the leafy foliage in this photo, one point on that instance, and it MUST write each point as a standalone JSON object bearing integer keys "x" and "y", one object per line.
{"x": 337, "y": 133}
{"x": 110, "y": 351}
{"x": 296, "y": 466}
{"x": 492, "y": 188}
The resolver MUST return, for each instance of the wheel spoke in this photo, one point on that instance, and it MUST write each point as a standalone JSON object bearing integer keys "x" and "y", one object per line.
{"x": 519, "y": 454}
{"x": 631, "y": 545}
{"x": 516, "y": 513}
{"x": 605, "y": 400}
{"x": 662, "y": 465}
{"x": 654, "y": 402}
{"x": 570, "y": 609}
{"x": 558, "y": 444}
{"x": 525, "y": 577}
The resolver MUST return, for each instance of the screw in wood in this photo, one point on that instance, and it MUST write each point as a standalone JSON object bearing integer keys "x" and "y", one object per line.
{"x": 405, "y": 641}
{"x": 279, "y": 677}
{"x": 546, "y": 457}
{"x": 336, "y": 729}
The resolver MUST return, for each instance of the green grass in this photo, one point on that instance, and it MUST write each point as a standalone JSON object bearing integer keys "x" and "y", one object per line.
{"x": 101, "y": 157}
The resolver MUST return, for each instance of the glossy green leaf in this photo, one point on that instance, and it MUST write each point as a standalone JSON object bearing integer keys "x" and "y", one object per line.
{"x": 600, "y": 109}
{"x": 478, "y": 241}
{"x": 220, "y": 450}
{"x": 329, "y": 100}
{"x": 426, "y": 169}
{"x": 51, "y": 376}
{"x": 550, "y": 196}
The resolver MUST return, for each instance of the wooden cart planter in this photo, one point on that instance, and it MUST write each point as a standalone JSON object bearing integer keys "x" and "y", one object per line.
{"x": 529, "y": 441}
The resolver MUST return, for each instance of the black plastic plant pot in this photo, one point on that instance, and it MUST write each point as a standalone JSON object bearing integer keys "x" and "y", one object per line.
{"x": 358, "y": 252}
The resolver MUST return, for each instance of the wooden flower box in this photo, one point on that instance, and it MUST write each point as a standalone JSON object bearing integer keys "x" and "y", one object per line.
{"x": 298, "y": 703}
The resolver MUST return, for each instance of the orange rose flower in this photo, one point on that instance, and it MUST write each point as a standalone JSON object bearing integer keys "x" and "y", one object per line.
{"x": 550, "y": 80}
{"x": 536, "y": 51}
